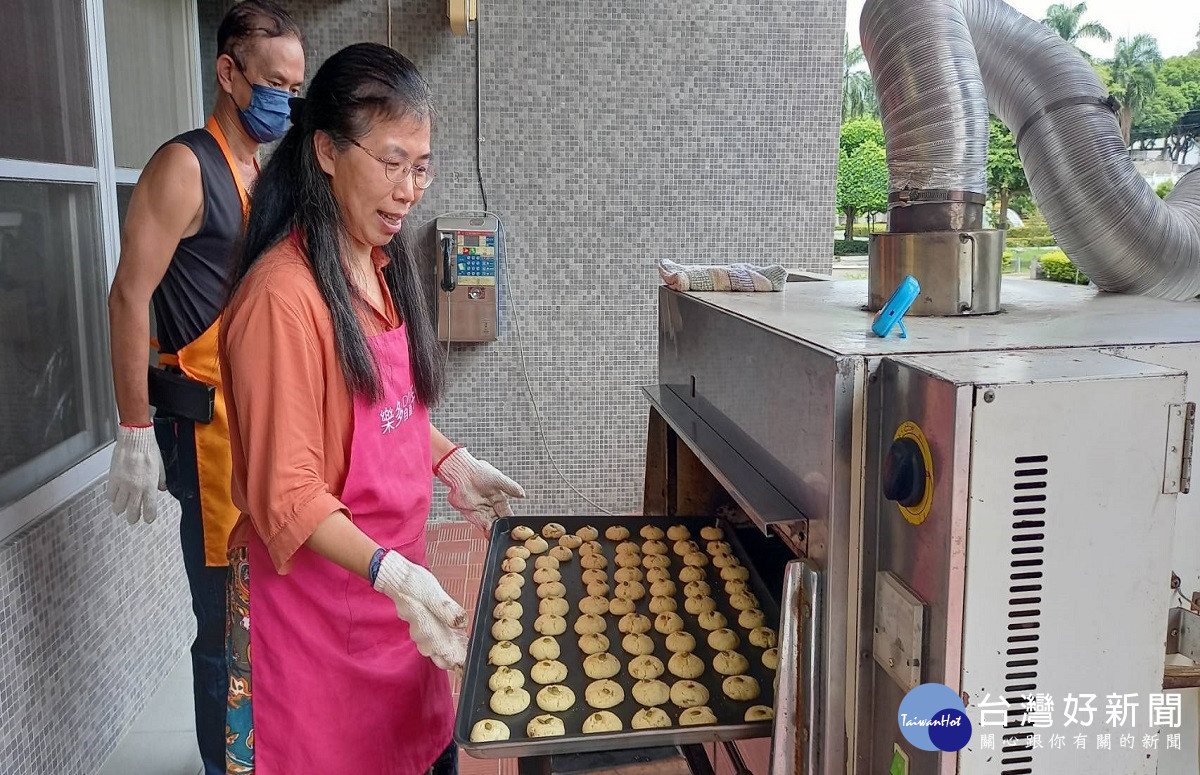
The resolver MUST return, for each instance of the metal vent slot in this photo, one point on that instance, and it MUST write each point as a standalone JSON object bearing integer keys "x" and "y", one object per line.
{"x": 1024, "y": 608}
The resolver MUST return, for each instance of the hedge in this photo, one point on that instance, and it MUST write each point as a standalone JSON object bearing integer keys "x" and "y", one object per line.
{"x": 856, "y": 247}
{"x": 1030, "y": 242}
{"x": 1056, "y": 266}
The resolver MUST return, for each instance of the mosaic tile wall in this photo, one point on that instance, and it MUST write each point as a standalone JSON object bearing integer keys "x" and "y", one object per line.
{"x": 93, "y": 614}
{"x": 614, "y": 134}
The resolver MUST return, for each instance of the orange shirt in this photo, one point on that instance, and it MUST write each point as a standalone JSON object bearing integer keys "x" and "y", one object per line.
{"x": 291, "y": 415}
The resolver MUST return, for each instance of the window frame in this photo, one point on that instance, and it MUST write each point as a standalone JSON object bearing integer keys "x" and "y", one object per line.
{"x": 105, "y": 176}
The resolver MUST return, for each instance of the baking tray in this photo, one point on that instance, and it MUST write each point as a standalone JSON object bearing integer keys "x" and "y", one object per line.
{"x": 475, "y": 694}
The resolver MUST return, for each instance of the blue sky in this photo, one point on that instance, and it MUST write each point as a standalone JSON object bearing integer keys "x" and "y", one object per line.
{"x": 1173, "y": 22}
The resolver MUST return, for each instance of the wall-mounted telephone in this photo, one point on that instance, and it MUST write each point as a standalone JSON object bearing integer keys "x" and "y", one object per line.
{"x": 468, "y": 279}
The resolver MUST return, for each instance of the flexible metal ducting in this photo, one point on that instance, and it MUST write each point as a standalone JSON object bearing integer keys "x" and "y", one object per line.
{"x": 933, "y": 60}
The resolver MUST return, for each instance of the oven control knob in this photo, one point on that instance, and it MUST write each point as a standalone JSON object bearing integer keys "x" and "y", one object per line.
{"x": 904, "y": 473}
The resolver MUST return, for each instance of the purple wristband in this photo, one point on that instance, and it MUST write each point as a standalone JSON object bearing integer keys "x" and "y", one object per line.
{"x": 376, "y": 559}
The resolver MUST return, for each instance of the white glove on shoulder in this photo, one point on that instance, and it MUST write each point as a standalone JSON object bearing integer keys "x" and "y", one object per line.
{"x": 135, "y": 475}
{"x": 437, "y": 623}
{"x": 477, "y": 490}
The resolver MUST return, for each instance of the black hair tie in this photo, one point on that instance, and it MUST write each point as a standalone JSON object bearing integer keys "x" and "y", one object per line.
{"x": 297, "y": 105}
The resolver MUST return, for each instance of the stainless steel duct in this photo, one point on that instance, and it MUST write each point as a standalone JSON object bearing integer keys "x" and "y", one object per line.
{"x": 928, "y": 72}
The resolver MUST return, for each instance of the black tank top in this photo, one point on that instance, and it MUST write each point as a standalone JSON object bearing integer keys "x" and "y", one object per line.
{"x": 192, "y": 292}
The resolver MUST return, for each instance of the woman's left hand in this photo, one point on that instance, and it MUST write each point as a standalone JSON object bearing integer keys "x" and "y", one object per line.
{"x": 477, "y": 490}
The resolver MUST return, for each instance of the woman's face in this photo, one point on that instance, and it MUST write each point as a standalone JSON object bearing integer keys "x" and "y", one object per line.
{"x": 373, "y": 195}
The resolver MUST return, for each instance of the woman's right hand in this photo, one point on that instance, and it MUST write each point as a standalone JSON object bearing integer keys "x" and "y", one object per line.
{"x": 437, "y": 623}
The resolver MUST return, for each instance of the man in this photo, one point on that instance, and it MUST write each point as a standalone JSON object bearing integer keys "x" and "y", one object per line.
{"x": 177, "y": 250}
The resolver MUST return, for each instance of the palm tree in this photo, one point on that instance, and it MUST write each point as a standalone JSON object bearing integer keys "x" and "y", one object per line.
{"x": 1133, "y": 67}
{"x": 1065, "y": 20}
{"x": 858, "y": 91}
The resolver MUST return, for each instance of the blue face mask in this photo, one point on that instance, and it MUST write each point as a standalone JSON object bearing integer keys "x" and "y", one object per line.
{"x": 267, "y": 117}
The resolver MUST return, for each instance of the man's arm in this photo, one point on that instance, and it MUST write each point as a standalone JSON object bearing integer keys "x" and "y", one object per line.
{"x": 167, "y": 206}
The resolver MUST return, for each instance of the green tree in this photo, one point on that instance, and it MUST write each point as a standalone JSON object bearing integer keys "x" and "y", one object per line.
{"x": 1005, "y": 175}
{"x": 1164, "y": 188}
{"x": 862, "y": 182}
{"x": 1134, "y": 69}
{"x": 858, "y": 91}
{"x": 1181, "y": 76}
{"x": 1067, "y": 21}
{"x": 857, "y": 131}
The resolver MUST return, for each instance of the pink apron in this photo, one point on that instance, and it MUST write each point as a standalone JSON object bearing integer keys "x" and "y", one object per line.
{"x": 339, "y": 686}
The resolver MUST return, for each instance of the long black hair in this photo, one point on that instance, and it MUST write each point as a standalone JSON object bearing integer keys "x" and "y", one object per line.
{"x": 358, "y": 84}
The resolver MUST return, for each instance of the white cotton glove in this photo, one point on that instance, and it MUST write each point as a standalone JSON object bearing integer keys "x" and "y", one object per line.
{"x": 477, "y": 490}
{"x": 437, "y": 624}
{"x": 135, "y": 475}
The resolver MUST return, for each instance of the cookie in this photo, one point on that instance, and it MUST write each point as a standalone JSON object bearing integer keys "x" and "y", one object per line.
{"x": 681, "y": 641}
{"x": 740, "y": 687}
{"x": 594, "y": 574}
{"x": 629, "y": 547}
{"x": 751, "y": 618}
{"x": 763, "y": 637}
{"x": 770, "y": 659}
{"x": 513, "y": 565}
{"x": 509, "y": 701}
{"x": 678, "y": 533}
{"x": 521, "y": 533}
{"x": 590, "y": 623}
{"x": 693, "y": 717}
{"x": 662, "y": 588}
{"x": 695, "y": 559}
{"x": 712, "y": 620}
{"x": 734, "y": 573}
{"x": 549, "y": 624}
{"x": 506, "y": 629}
{"x": 627, "y": 574}
{"x": 698, "y": 605}
{"x": 730, "y": 663}
{"x": 616, "y": 533}
{"x": 630, "y": 590}
{"x": 506, "y": 677}
{"x": 718, "y": 547}
{"x": 489, "y": 730}
{"x": 712, "y": 533}
{"x": 725, "y": 560}
{"x": 635, "y": 623}
{"x": 536, "y": 545}
{"x": 515, "y": 579}
{"x": 546, "y": 575}
{"x": 743, "y": 601}
{"x": 552, "y": 589}
{"x": 651, "y": 533}
{"x": 544, "y": 647}
{"x": 588, "y": 533}
{"x": 560, "y": 553}
{"x": 509, "y": 609}
{"x": 697, "y": 589}
{"x": 517, "y": 551}
{"x": 688, "y": 694}
{"x": 601, "y": 721}
{"x": 657, "y": 574}
{"x": 604, "y": 694}
{"x": 545, "y": 725}
{"x": 554, "y": 606}
{"x": 650, "y": 718}
{"x": 646, "y": 667}
{"x": 637, "y": 644}
{"x": 668, "y": 622}
{"x": 555, "y": 698}
{"x": 593, "y": 643}
{"x": 624, "y": 561}
{"x": 654, "y": 547}
{"x": 552, "y": 531}
{"x": 662, "y": 605}
{"x": 734, "y": 587}
{"x": 547, "y": 562}
{"x": 650, "y": 692}
{"x": 723, "y": 639}
{"x": 602, "y": 665}
{"x": 590, "y": 547}
{"x": 656, "y": 561}
{"x": 685, "y": 665}
{"x": 504, "y": 653}
{"x": 684, "y": 548}
{"x": 621, "y": 606}
{"x": 593, "y": 561}
{"x": 691, "y": 573}
{"x": 759, "y": 713}
{"x": 593, "y": 605}
{"x": 548, "y": 671}
{"x": 570, "y": 542}
{"x": 597, "y": 589}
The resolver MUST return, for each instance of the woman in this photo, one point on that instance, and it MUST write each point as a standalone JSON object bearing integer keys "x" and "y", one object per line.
{"x": 330, "y": 361}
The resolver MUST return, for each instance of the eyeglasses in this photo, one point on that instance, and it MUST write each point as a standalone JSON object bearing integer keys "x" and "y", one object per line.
{"x": 398, "y": 172}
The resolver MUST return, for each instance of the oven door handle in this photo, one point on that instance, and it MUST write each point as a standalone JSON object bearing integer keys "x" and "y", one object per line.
{"x": 798, "y": 699}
